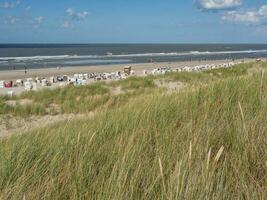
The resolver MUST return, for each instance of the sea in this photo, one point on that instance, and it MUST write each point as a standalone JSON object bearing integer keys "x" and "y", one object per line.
{"x": 21, "y": 56}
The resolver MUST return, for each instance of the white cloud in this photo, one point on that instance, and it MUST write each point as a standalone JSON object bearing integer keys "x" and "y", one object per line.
{"x": 82, "y": 15}
{"x": 38, "y": 21}
{"x": 263, "y": 10}
{"x": 218, "y": 4}
{"x": 249, "y": 17}
{"x": 12, "y": 20}
{"x": 71, "y": 12}
{"x": 9, "y": 5}
{"x": 76, "y": 15}
{"x": 66, "y": 24}
{"x": 28, "y": 8}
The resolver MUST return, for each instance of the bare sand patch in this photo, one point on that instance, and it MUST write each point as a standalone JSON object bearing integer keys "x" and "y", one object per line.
{"x": 117, "y": 91}
{"x": 170, "y": 86}
{"x": 21, "y": 102}
{"x": 10, "y": 125}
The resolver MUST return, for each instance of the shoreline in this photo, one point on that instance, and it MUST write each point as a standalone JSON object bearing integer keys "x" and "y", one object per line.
{"x": 70, "y": 71}
{"x": 9, "y": 75}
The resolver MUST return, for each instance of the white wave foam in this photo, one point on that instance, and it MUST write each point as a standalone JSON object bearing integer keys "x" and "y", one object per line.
{"x": 81, "y": 62}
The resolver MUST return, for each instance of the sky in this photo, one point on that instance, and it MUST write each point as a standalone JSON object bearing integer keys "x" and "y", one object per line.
{"x": 133, "y": 21}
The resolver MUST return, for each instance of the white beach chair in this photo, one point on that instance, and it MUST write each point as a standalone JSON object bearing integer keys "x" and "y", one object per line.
{"x": 44, "y": 82}
{"x": 28, "y": 85}
{"x": 2, "y": 84}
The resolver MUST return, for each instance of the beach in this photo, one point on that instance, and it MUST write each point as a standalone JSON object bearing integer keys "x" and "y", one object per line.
{"x": 13, "y": 75}
{"x": 138, "y": 68}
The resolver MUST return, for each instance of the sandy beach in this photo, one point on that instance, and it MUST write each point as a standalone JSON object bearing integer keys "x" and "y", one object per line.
{"x": 70, "y": 71}
{"x": 47, "y": 72}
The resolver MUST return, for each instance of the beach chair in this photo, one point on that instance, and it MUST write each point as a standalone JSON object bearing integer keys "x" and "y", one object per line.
{"x": 80, "y": 76}
{"x": 8, "y": 84}
{"x": 44, "y": 82}
{"x": 2, "y": 84}
{"x": 65, "y": 78}
{"x": 28, "y": 85}
{"x": 19, "y": 82}
{"x": 72, "y": 81}
{"x": 85, "y": 76}
{"x": 52, "y": 79}
{"x": 127, "y": 70}
{"x": 29, "y": 79}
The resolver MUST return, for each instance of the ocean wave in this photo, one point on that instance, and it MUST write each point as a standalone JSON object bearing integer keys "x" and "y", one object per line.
{"x": 81, "y": 62}
{"x": 65, "y": 57}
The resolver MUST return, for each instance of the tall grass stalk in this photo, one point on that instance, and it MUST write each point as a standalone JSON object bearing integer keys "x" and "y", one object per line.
{"x": 142, "y": 149}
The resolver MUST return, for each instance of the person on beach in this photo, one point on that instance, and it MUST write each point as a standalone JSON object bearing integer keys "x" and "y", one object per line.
{"x": 25, "y": 70}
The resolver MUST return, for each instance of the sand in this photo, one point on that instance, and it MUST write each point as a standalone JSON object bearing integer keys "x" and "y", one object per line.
{"x": 13, "y": 75}
{"x": 17, "y": 125}
{"x": 47, "y": 72}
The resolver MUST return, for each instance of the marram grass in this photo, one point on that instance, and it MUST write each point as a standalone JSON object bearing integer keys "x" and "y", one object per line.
{"x": 206, "y": 143}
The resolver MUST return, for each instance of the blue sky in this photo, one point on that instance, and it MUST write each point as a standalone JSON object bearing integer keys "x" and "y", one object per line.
{"x": 133, "y": 21}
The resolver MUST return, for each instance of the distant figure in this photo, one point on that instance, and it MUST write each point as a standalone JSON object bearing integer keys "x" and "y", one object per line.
{"x": 14, "y": 68}
{"x": 25, "y": 70}
{"x": 145, "y": 72}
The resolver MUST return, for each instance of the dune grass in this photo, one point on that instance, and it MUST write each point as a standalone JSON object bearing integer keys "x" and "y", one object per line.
{"x": 209, "y": 76}
{"x": 80, "y": 99}
{"x": 84, "y": 99}
{"x": 135, "y": 83}
{"x": 72, "y": 99}
{"x": 20, "y": 110}
{"x": 56, "y": 101}
{"x": 204, "y": 143}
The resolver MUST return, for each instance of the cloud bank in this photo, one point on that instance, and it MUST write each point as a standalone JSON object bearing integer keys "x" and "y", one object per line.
{"x": 38, "y": 21}
{"x": 73, "y": 17}
{"x": 247, "y": 17}
{"x": 218, "y": 4}
{"x": 10, "y": 5}
{"x": 76, "y": 15}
